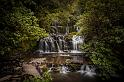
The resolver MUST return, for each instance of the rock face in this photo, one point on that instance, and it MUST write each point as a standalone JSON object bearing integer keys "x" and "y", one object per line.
{"x": 30, "y": 69}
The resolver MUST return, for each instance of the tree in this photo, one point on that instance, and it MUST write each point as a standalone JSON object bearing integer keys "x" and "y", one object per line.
{"x": 101, "y": 24}
{"x": 21, "y": 31}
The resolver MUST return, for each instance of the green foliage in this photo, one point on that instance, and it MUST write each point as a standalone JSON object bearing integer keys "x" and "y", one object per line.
{"x": 21, "y": 31}
{"x": 101, "y": 24}
{"x": 61, "y": 18}
{"x": 24, "y": 22}
{"x": 70, "y": 35}
{"x": 46, "y": 77}
{"x": 62, "y": 12}
{"x": 35, "y": 79}
{"x": 102, "y": 56}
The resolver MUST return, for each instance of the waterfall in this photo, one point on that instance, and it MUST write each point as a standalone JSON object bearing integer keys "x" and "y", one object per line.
{"x": 77, "y": 29}
{"x": 51, "y": 68}
{"x": 87, "y": 70}
{"x": 58, "y": 47}
{"x": 41, "y": 45}
{"x": 76, "y": 40}
{"x": 52, "y": 43}
{"x": 56, "y": 42}
{"x": 64, "y": 70}
{"x": 60, "y": 44}
{"x": 46, "y": 47}
{"x": 67, "y": 29}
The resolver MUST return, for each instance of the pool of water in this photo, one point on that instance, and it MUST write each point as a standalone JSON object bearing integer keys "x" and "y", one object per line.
{"x": 74, "y": 77}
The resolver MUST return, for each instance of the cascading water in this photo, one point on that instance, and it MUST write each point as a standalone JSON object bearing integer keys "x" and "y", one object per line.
{"x": 87, "y": 70}
{"x": 76, "y": 40}
{"x": 46, "y": 47}
{"x": 59, "y": 44}
{"x": 56, "y": 41}
{"x": 64, "y": 70}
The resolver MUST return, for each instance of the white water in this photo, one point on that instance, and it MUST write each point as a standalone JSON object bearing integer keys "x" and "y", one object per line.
{"x": 86, "y": 70}
{"x": 50, "y": 44}
{"x": 76, "y": 40}
{"x": 47, "y": 47}
{"x": 64, "y": 70}
{"x": 56, "y": 42}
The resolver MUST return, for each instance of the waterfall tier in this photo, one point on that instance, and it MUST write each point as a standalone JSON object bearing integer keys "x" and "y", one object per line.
{"x": 88, "y": 70}
{"x": 58, "y": 43}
